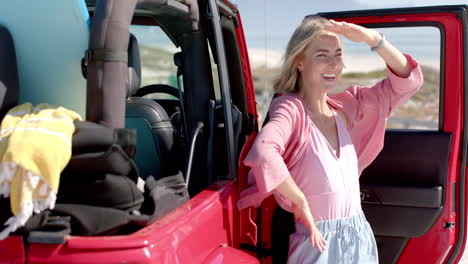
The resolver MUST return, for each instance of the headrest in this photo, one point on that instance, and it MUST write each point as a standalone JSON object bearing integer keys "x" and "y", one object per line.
{"x": 134, "y": 66}
{"x": 9, "y": 86}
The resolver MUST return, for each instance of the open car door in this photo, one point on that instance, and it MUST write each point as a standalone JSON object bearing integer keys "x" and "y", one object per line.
{"x": 413, "y": 194}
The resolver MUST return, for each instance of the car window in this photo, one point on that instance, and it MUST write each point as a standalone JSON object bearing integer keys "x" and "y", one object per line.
{"x": 363, "y": 67}
{"x": 157, "y": 58}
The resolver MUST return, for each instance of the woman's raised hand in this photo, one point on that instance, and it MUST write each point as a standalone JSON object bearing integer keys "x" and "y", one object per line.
{"x": 303, "y": 215}
{"x": 354, "y": 32}
{"x": 391, "y": 55}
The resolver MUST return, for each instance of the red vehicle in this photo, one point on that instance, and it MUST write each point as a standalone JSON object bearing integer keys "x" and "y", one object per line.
{"x": 413, "y": 194}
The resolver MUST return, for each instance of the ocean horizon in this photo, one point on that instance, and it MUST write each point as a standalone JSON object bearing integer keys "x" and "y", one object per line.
{"x": 354, "y": 62}
{"x": 422, "y": 43}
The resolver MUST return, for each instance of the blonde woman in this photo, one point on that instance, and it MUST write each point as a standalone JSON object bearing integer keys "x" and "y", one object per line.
{"x": 314, "y": 147}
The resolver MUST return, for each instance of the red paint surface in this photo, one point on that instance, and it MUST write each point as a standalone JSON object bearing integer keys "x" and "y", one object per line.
{"x": 190, "y": 234}
{"x": 187, "y": 235}
{"x": 12, "y": 250}
{"x": 246, "y": 70}
{"x": 248, "y": 228}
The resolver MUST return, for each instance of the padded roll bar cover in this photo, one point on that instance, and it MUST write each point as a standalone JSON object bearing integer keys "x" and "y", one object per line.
{"x": 192, "y": 5}
{"x": 106, "y": 82}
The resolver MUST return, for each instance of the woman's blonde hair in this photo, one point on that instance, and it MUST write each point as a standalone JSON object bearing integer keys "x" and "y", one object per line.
{"x": 288, "y": 79}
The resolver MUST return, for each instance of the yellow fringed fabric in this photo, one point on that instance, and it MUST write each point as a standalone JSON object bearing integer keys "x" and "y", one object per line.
{"x": 35, "y": 146}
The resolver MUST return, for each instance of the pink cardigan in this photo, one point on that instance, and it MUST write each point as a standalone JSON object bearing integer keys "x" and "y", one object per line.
{"x": 282, "y": 142}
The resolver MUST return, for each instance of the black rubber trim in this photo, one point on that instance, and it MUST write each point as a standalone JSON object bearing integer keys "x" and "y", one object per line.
{"x": 260, "y": 251}
{"x": 454, "y": 198}
{"x": 9, "y": 79}
{"x": 460, "y": 224}
{"x": 390, "y": 248}
{"x": 236, "y": 77}
{"x": 225, "y": 87}
{"x": 396, "y": 11}
{"x": 209, "y": 158}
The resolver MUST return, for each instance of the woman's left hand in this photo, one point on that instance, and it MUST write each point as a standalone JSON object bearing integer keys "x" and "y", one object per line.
{"x": 354, "y": 32}
{"x": 394, "y": 59}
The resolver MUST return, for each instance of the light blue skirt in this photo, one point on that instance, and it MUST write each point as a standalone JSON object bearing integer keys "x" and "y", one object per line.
{"x": 348, "y": 240}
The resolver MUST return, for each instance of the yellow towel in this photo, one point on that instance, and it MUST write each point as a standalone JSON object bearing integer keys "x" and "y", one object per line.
{"x": 35, "y": 146}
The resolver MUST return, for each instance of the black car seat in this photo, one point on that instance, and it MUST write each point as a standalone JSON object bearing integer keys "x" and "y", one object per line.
{"x": 155, "y": 133}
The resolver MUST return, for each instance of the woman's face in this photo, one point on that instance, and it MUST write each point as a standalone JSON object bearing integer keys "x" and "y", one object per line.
{"x": 321, "y": 63}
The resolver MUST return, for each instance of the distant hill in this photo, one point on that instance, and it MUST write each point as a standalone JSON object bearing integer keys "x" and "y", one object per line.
{"x": 423, "y": 106}
{"x": 158, "y": 67}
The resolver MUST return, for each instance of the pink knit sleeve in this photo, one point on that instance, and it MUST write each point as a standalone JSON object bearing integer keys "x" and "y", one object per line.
{"x": 368, "y": 108}
{"x": 265, "y": 158}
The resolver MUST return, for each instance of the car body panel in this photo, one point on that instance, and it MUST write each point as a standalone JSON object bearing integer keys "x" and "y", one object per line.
{"x": 224, "y": 254}
{"x": 187, "y": 235}
{"x": 12, "y": 249}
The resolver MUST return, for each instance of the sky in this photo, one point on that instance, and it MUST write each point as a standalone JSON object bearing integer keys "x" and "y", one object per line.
{"x": 279, "y": 18}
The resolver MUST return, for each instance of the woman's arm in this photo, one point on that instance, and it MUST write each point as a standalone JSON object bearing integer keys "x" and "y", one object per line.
{"x": 289, "y": 189}
{"x": 391, "y": 55}
{"x": 267, "y": 157}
